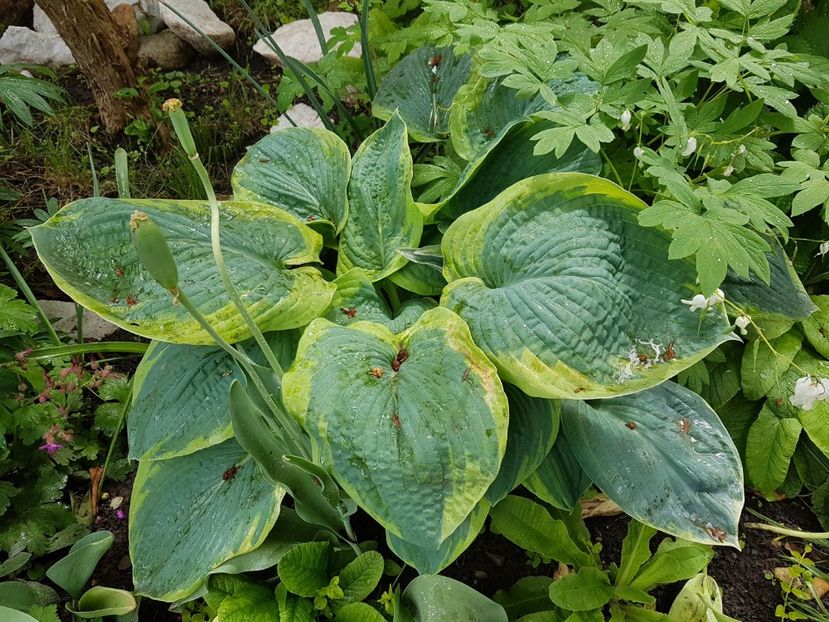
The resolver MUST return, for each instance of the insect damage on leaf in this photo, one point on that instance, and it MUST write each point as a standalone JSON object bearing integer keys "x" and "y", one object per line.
{"x": 230, "y": 473}
{"x": 401, "y": 357}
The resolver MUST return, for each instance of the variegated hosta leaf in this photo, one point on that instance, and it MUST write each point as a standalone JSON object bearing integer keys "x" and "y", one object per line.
{"x": 569, "y": 296}
{"x": 432, "y": 561}
{"x": 357, "y": 300}
{"x": 382, "y": 214}
{"x": 664, "y": 457}
{"x": 421, "y": 88}
{"x": 88, "y": 251}
{"x": 533, "y": 427}
{"x": 303, "y": 170}
{"x": 412, "y": 426}
{"x": 559, "y": 479}
{"x": 181, "y": 396}
{"x": 485, "y": 109}
{"x": 191, "y": 514}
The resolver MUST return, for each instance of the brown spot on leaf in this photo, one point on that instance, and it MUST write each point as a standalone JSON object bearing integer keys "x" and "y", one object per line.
{"x": 131, "y": 302}
{"x": 685, "y": 425}
{"x": 230, "y": 473}
{"x": 631, "y": 425}
{"x": 401, "y": 357}
{"x": 716, "y": 533}
{"x": 670, "y": 353}
{"x": 377, "y": 372}
{"x": 395, "y": 420}
{"x": 350, "y": 312}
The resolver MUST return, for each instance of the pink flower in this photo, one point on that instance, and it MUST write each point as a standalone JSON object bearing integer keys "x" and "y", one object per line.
{"x": 50, "y": 448}
{"x": 120, "y": 514}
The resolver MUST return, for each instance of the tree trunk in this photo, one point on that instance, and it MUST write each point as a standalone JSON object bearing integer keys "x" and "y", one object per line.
{"x": 102, "y": 51}
{"x": 13, "y": 11}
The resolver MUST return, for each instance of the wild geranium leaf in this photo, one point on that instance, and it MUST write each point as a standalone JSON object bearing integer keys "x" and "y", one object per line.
{"x": 15, "y": 315}
{"x": 304, "y": 171}
{"x": 587, "y": 589}
{"x": 190, "y": 514}
{"x": 673, "y": 465}
{"x": 88, "y": 250}
{"x": 421, "y": 88}
{"x": 534, "y": 268}
{"x": 433, "y": 406}
{"x": 382, "y": 215}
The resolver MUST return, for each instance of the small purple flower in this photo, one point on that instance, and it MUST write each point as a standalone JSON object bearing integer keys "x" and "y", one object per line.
{"x": 50, "y": 448}
{"x": 120, "y": 514}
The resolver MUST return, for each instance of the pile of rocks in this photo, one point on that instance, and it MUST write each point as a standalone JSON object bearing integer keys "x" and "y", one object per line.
{"x": 165, "y": 38}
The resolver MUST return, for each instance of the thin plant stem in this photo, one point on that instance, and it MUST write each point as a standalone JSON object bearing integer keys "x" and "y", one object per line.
{"x": 28, "y": 294}
{"x": 794, "y": 533}
{"x": 125, "y": 347}
{"x": 121, "y": 417}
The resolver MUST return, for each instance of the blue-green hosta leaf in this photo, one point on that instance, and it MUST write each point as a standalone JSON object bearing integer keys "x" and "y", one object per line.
{"x": 433, "y": 598}
{"x": 73, "y": 571}
{"x": 413, "y": 426}
{"x": 87, "y": 249}
{"x": 181, "y": 396}
{"x": 507, "y": 161}
{"x": 357, "y": 300}
{"x": 423, "y": 274}
{"x": 533, "y": 427}
{"x": 304, "y": 171}
{"x": 383, "y": 217}
{"x": 559, "y": 479}
{"x": 485, "y": 109}
{"x": 569, "y": 296}
{"x": 99, "y": 601}
{"x": 432, "y": 561}
{"x": 191, "y": 514}
{"x": 664, "y": 457}
{"x": 421, "y": 88}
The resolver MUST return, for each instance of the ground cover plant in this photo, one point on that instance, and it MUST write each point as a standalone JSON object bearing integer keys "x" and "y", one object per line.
{"x": 560, "y": 255}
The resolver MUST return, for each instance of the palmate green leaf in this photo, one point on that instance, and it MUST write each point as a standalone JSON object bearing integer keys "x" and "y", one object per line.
{"x": 770, "y": 445}
{"x": 433, "y": 598}
{"x": 382, "y": 214}
{"x": 664, "y": 457}
{"x": 533, "y": 428}
{"x": 412, "y": 426}
{"x": 431, "y": 560}
{"x": 190, "y": 514}
{"x": 559, "y": 479}
{"x": 304, "y": 171}
{"x": 88, "y": 251}
{"x": 421, "y": 88}
{"x": 569, "y": 296}
{"x": 15, "y": 315}
{"x": 357, "y": 300}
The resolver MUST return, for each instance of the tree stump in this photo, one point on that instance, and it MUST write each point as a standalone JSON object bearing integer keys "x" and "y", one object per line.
{"x": 13, "y": 11}
{"x": 103, "y": 53}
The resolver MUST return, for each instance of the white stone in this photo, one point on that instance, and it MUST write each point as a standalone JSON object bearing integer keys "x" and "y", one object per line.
{"x": 299, "y": 39}
{"x": 302, "y": 114}
{"x": 94, "y": 326}
{"x": 197, "y": 12}
{"x": 23, "y": 45}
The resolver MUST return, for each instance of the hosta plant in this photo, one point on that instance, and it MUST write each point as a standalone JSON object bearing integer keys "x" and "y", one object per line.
{"x": 324, "y": 336}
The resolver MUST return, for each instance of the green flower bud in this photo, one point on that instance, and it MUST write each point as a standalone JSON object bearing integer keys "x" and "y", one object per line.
{"x": 180, "y": 126}
{"x": 153, "y": 250}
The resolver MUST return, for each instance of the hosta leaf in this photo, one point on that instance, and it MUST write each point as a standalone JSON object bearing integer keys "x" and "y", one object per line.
{"x": 559, "y": 479}
{"x": 433, "y": 598}
{"x": 432, "y": 561}
{"x": 73, "y": 571}
{"x": 191, "y": 514}
{"x": 421, "y": 88}
{"x": 485, "y": 109}
{"x": 569, "y": 296}
{"x": 770, "y": 445}
{"x": 304, "y": 171}
{"x": 357, "y": 300}
{"x": 99, "y": 601}
{"x": 412, "y": 426}
{"x": 382, "y": 214}
{"x": 87, "y": 249}
{"x": 510, "y": 160}
{"x": 664, "y": 457}
{"x": 419, "y": 279}
{"x": 533, "y": 427}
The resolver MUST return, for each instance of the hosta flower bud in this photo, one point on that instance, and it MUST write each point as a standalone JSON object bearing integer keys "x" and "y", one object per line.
{"x": 153, "y": 250}
{"x": 690, "y": 147}
{"x": 625, "y": 119}
{"x": 173, "y": 107}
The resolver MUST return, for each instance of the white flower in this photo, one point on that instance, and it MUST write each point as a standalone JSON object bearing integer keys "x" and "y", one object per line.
{"x": 728, "y": 170}
{"x": 701, "y": 302}
{"x": 690, "y": 148}
{"x": 742, "y": 323}
{"x": 625, "y": 119}
{"x": 638, "y": 152}
{"x": 808, "y": 391}
{"x": 741, "y": 150}
{"x": 824, "y": 248}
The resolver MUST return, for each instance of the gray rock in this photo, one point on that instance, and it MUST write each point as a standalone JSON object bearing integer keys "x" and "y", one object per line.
{"x": 197, "y": 12}
{"x": 94, "y": 326}
{"x": 302, "y": 114}
{"x": 23, "y": 45}
{"x": 299, "y": 39}
{"x": 165, "y": 50}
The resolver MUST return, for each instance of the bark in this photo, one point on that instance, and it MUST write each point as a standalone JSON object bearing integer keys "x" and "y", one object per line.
{"x": 13, "y": 12}
{"x": 102, "y": 50}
